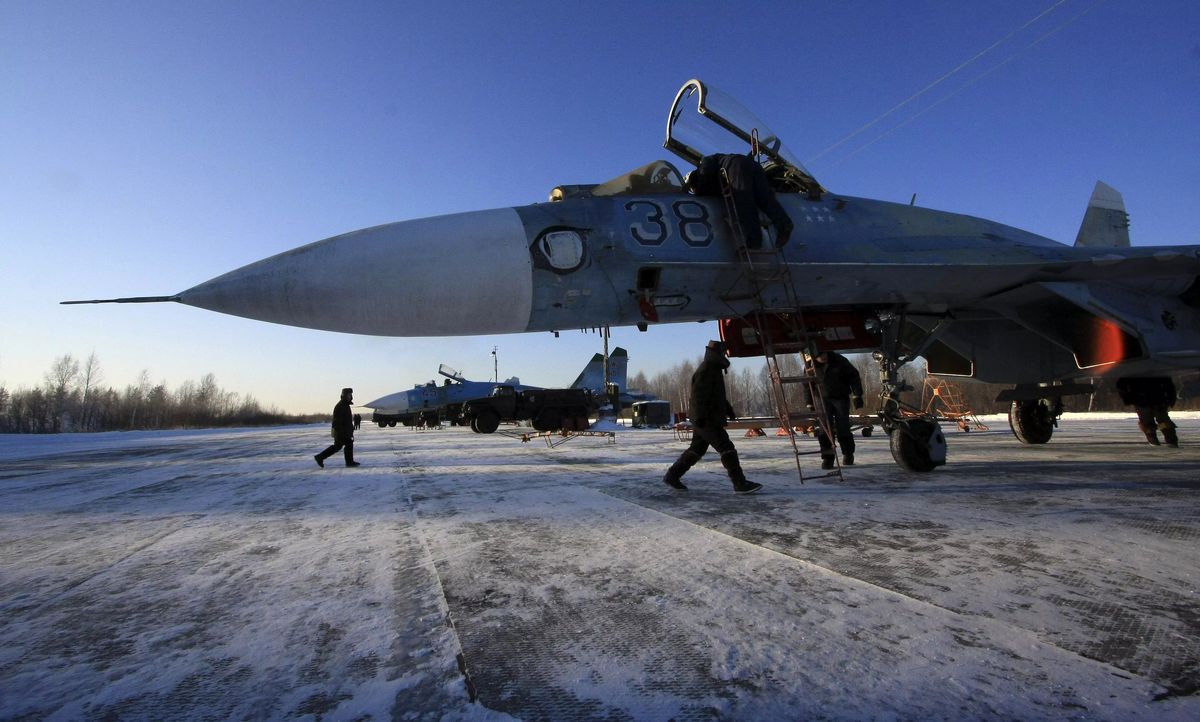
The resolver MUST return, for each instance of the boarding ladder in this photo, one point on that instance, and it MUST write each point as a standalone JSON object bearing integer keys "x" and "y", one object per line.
{"x": 766, "y": 269}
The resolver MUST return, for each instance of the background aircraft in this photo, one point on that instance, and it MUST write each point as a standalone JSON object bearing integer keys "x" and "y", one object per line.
{"x": 974, "y": 297}
{"x": 431, "y": 403}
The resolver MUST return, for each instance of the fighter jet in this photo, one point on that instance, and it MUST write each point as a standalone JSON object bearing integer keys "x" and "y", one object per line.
{"x": 973, "y": 297}
{"x": 429, "y": 404}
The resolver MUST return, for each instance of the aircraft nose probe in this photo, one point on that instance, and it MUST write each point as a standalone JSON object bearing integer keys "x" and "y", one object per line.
{"x": 131, "y": 299}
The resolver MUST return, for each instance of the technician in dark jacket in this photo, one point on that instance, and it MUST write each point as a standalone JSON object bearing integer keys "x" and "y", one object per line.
{"x": 840, "y": 382}
{"x": 751, "y": 193}
{"x": 710, "y": 408}
{"x": 1151, "y": 397}
{"x": 343, "y": 431}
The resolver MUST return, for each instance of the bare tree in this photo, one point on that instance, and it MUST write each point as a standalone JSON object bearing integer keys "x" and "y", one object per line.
{"x": 90, "y": 377}
{"x": 61, "y": 384}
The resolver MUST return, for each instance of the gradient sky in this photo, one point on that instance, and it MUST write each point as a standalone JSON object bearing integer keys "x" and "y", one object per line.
{"x": 148, "y": 146}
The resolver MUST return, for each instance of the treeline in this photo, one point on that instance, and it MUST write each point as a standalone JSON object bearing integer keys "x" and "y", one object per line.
{"x": 72, "y": 398}
{"x": 750, "y": 393}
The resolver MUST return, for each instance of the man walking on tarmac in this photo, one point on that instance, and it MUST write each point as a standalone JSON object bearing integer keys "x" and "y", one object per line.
{"x": 343, "y": 431}
{"x": 710, "y": 409}
{"x": 840, "y": 381}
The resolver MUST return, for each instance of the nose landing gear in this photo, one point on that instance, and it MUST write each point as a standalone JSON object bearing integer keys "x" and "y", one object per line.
{"x": 916, "y": 440}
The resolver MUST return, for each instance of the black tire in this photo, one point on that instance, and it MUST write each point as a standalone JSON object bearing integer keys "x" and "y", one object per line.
{"x": 1032, "y": 422}
{"x": 910, "y": 445}
{"x": 548, "y": 420}
{"x": 474, "y": 424}
{"x": 868, "y": 430}
{"x": 391, "y": 424}
{"x": 486, "y": 422}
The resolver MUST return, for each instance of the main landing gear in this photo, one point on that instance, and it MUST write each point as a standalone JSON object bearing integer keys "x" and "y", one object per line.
{"x": 1033, "y": 421}
{"x": 1035, "y": 408}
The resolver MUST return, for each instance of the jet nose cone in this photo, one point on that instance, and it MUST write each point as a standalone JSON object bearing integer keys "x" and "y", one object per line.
{"x": 462, "y": 274}
{"x": 391, "y": 401}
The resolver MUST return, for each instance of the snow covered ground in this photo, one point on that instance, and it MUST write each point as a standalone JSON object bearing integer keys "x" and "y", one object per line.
{"x": 221, "y": 574}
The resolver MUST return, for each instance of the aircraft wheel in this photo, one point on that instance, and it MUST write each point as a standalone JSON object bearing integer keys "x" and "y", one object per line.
{"x": 486, "y": 422}
{"x": 913, "y": 443}
{"x": 1032, "y": 422}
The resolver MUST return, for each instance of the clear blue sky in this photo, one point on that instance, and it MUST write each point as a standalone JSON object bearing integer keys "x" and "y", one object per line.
{"x": 148, "y": 146}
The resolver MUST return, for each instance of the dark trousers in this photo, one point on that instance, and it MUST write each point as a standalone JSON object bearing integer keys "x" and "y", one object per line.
{"x": 702, "y": 438}
{"x": 837, "y": 413}
{"x": 339, "y": 445}
{"x": 1152, "y": 419}
{"x": 714, "y": 436}
{"x": 751, "y": 193}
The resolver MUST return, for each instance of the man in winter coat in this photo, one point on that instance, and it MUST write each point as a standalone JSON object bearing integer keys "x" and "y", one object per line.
{"x": 751, "y": 193}
{"x": 343, "y": 431}
{"x": 1151, "y": 397}
{"x": 710, "y": 408}
{"x": 840, "y": 382}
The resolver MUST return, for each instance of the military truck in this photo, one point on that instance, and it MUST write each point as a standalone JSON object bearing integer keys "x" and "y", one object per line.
{"x": 545, "y": 409}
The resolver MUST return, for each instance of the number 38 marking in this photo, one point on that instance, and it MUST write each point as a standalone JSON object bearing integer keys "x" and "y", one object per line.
{"x": 651, "y": 229}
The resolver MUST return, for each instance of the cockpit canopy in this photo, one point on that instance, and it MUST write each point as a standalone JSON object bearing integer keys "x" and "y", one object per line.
{"x": 656, "y": 177}
{"x": 719, "y": 124}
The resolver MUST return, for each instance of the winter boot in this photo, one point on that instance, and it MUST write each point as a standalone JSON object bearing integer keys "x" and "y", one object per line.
{"x": 353, "y": 463}
{"x": 1152, "y": 437}
{"x": 733, "y": 467}
{"x": 685, "y": 461}
{"x": 1169, "y": 435}
{"x": 320, "y": 461}
{"x": 827, "y": 462}
{"x": 848, "y": 459}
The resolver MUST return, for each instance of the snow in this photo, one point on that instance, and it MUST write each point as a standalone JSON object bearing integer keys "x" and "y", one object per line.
{"x": 221, "y": 574}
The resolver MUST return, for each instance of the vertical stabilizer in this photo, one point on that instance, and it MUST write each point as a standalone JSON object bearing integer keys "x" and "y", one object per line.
{"x": 1105, "y": 224}
{"x": 618, "y": 367}
{"x": 592, "y": 376}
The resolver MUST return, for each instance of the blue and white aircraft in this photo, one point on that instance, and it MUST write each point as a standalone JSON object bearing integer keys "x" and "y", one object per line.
{"x": 429, "y": 404}
{"x": 973, "y": 297}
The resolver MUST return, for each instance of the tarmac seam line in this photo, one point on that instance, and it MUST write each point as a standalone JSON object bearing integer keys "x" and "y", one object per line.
{"x": 459, "y": 655}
